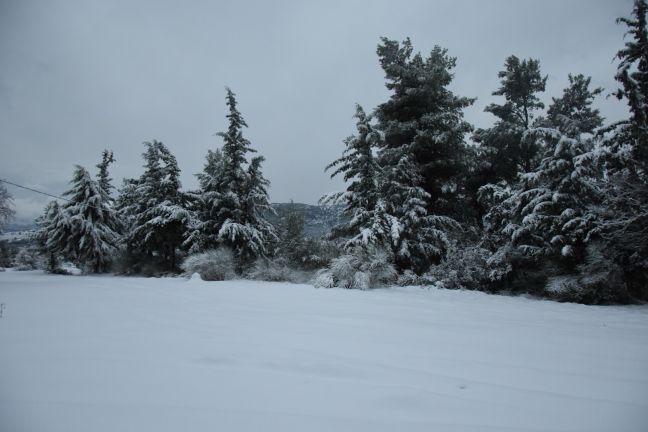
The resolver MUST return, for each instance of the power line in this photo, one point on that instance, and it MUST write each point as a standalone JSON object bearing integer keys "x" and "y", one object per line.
{"x": 34, "y": 190}
{"x": 47, "y": 194}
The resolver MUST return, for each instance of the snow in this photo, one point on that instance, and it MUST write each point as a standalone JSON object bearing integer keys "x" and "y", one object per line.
{"x": 81, "y": 353}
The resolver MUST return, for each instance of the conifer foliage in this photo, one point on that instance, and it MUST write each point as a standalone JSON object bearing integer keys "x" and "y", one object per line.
{"x": 404, "y": 198}
{"x": 502, "y": 149}
{"x": 360, "y": 168}
{"x": 234, "y": 196}
{"x": 6, "y": 206}
{"x": 84, "y": 229}
{"x": 154, "y": 209}
{"x": 105, "y": 182}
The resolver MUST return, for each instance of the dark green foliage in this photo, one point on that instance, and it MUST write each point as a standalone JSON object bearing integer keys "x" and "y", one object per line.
{"x": 362, "y": 173}
{"x": 7, "y": 253}
{"x": 632, "y": 74}
{"x": 424, "y": 119}
{"x": 622, "y": 223}
{"x": 103, "y": 176}
{"x": 234, "y": 197}
{"x": 156, "y": 212}
{"x": 572, "y": 114}
{"x": 504, "y": 153}
{"x": 204, "y": 233}
{"x": 290, "y": 247}
{"x": 6, "y": 206}
{"x": 84, "y": 230}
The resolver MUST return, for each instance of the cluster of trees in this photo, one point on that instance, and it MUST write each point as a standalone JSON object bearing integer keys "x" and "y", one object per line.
{"x": 550, "y": 202}
{"x": 153, "y": 223}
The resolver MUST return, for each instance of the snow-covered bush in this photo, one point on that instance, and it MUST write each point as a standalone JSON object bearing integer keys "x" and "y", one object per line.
{"x": 362, "y": 269}
{"x": 212, "y": 265}
{"x": 27, "y": 259}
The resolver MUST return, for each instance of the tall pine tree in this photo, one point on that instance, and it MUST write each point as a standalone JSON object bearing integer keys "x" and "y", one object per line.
{"x": 155, "y": 209}
{"x": 204, "y": 233}
{"x": 84, "y": 229}
{"x": 543, "y": 221}
{"x": 103, "y": 176}
{"x": 622, "y": 224}
{"x": 503, "y": 151}
{"x": 422, "y": 155}
{"x": 239, "y": 194}
{"x": 360, "y": 170}
{"x": 6, "y": 206}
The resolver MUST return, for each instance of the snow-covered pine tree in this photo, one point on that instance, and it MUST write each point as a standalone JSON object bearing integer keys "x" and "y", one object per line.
{"x": 545, "y": 217}
{"x": 425, "y": 119}
{"x": 417, "y": 238}
{"x": 360, "y": 170}
{"x": 6, "y": 206}
{"x": 502, "y": 149}
{"x": 632, "y": 74}
{"x": 572, "y": 114}
{"x": 240, "y": 194}
{"x": 622, "y": 224}
{"x": 155, "y": 208}
{"x": 103, "y": 177}
{"x": 51, "y": 221}
{"x": 204, "y": 233}
{"x": 422, "y": 155}
{"x": 256, "y": 205}
{"x": 84, "y": 229}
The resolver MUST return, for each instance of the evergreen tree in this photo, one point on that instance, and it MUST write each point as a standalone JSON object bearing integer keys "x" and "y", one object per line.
{"x": 425, "y": 119}
{"x": 572, "y": 114}
{"x": 156, "y": 210}
{"x": 84, "y": 230}
{"x": 240, "y": 194}
{"x": 361, "y": 171}
{"x": 632, "y": 74}
{"x": 256, "y": 205}
{"x": 417, "y": 238}
{"x": 204, "y": 235}
{"x": 502, "y": 148}
{"x": 51, "y": 221}
{"x": 545, "y": 217}
{"x": 103, "y": 176}
{"x": 422, "y": 156}
{"x": 6, "y": 206}
{"x": 622, "y": 224}
{"x": 291, "y": 236}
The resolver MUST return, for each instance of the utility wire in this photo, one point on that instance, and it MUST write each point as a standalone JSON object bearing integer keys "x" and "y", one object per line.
{"x": 47, "y": 194}
{"x": 34, "y": 190}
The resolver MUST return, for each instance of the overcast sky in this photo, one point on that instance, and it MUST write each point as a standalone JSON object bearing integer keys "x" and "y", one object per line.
{"x": 80, "y": 76}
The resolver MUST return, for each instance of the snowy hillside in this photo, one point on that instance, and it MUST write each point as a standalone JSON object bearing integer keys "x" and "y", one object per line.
{"x": 134, "y": 354}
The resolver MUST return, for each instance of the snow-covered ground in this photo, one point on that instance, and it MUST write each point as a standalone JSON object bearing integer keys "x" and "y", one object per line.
{"x": 134, "y": 354}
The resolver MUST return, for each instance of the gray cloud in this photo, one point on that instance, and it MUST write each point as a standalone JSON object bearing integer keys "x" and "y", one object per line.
{"x": 80, "y": 76}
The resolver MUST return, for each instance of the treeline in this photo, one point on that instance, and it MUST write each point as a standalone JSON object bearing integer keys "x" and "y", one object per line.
{"x": 549, "y": 200}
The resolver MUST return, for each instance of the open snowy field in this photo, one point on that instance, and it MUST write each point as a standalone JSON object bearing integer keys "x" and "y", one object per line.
{"x": 134, "y": 354}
